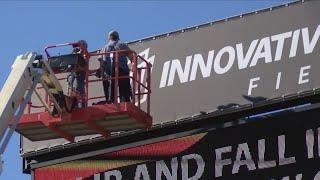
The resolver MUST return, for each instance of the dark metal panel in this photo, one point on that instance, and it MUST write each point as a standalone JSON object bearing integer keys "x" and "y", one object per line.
{"x": 165, "y": 132}
{"x": 291, "y": 126}
{"x": 281, "y": 147}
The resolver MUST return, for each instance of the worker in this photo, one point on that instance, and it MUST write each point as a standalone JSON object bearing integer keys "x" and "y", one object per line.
{"x": 109, "y": 69}
{"x": 77, "y": 74}
{"x": 105, "y": 73}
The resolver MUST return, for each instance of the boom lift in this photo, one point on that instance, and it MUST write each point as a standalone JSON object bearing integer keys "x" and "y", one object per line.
{"x": 55, "y": 118}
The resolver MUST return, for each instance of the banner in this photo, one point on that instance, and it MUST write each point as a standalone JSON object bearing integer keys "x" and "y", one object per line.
{"x": 235, "y": 61}
{"x": 280, "y": 147}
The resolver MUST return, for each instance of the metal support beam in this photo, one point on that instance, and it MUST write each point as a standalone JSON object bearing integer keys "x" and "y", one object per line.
{"x": 18, "y": 115}
{"x": 9, "y": 132}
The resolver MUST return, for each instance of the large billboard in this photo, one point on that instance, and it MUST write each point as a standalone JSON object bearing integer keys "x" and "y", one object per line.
{"x": 280, "y": 147}
{"x": 267, "y": 54}
{"x": 234, "y": 61}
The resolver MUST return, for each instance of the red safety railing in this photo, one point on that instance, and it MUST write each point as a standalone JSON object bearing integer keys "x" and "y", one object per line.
{"x": 137, "y": 83}
{"x": 135, "y": 77}
{"x": 86, "y": 56}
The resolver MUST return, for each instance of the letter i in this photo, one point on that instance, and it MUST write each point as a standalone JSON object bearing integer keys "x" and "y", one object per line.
{"x": 164, "y": 75}
{"x": 278, "y": 80}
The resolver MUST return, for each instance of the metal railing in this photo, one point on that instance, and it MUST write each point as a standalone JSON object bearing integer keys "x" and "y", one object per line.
{"x": 140, "y": 86}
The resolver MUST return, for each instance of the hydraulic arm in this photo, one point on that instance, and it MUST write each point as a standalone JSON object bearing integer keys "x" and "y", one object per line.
{"x": 27, "y": 71}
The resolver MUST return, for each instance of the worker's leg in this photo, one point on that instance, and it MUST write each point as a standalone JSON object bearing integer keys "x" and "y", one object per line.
{"x": 106, "y": 84}
{"x": 124, "y": 87}
{"x": 80, "y": 78}
{"x": 70, "y": 82}
{"x": 71, "y": 76}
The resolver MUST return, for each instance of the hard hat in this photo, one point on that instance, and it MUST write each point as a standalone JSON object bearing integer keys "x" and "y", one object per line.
{"x": 83, "y": 43}
{"x": 114, "y": 34}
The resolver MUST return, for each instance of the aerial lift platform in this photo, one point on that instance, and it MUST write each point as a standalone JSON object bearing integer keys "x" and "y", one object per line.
{"x": 56, "y": 118}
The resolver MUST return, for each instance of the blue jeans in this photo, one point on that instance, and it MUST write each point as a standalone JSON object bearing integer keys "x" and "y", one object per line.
{"x": 80, "y": 86}
{"x": 79, "y": 77}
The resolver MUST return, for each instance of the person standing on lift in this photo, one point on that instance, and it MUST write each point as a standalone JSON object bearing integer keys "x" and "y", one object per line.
{"x": 108, "y": 63}
{"x": 76, "y": 75}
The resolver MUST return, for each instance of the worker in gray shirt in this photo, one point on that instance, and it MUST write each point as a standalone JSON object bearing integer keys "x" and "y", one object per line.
{"x": 109, "y": 69}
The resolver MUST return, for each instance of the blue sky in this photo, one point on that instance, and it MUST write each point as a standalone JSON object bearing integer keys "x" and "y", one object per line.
{"x": 29, "y": 26}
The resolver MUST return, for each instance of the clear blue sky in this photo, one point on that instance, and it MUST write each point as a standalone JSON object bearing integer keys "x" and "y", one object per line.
{"x": 29, "y": 26}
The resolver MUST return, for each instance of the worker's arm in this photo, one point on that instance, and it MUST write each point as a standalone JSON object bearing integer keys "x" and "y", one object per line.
{"x": 123, "y": 46}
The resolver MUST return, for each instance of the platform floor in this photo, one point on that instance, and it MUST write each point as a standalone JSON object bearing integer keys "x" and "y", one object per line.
{"x": 96, "y": 119}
